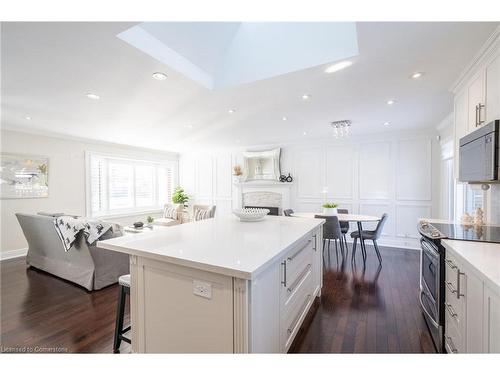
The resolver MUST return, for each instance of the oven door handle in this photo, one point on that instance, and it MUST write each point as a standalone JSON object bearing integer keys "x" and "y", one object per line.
{"x": 428, "y": 249}
{"x": 434, "y": 323}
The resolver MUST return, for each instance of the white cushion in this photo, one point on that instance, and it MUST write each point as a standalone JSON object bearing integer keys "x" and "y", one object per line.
{"x": 170, "y": 212}
{"x": 165, "y": 222}
{"x": 201, "y": 214}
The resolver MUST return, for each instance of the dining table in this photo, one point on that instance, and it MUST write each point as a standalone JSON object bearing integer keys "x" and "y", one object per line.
{"x": 353, "y": 218}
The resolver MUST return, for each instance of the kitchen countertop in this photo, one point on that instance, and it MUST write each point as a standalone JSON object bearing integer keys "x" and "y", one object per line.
{"x": 223, "y": 245}
{"x": 447, "y": 221}
{"x": 483, "y": 256}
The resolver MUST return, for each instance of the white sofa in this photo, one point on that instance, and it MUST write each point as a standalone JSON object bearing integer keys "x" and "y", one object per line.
{"x": 88, "y": 266}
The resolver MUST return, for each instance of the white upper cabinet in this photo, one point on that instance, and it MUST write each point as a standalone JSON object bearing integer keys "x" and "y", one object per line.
{"x": 492, "y": 79}
{"x": 460, "y": 118}
{"x": 475, "y": 99}
{"x": 477, "y": 92}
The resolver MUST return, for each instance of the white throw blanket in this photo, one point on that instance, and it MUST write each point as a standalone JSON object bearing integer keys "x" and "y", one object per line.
{"x": 68, "y": 227}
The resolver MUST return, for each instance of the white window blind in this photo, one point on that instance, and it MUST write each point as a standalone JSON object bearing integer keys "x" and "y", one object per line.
{"x": 125, "y": 186}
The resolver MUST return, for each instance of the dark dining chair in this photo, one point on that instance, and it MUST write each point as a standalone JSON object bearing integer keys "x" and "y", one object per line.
{"x": 331, "y": 231}
{"x": 288, "y": 212}
{"x": 344, "y": 225}
{"x": 372, "y": 235}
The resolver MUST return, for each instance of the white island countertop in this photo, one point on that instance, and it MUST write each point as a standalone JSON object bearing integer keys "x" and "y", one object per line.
{"x": 223, "y": 245}
{"x": 483, "y": 256}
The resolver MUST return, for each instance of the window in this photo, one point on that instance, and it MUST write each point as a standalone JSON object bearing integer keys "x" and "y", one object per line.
{"x": 119, "y": 186}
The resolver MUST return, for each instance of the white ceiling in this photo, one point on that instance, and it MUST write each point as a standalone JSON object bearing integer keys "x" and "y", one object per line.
{"x": 48, "y": 67}
{"x": 219, "y": 54}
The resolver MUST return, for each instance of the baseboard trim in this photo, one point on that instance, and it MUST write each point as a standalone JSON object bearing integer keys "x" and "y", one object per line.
{"x": 11, "y": 254}
{"x": 394, "y": 244}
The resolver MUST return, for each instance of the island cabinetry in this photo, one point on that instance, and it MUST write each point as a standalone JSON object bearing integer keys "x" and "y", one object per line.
{"x": 182, "y": 306}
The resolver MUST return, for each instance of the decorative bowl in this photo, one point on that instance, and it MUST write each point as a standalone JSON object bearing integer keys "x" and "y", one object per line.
{"x": 251, "y": 214}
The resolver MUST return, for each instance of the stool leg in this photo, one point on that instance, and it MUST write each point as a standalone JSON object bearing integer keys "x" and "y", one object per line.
{"x": 120, "y": 312}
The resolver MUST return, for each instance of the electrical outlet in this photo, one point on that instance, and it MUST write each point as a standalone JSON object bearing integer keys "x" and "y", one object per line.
{"x": 202, "y": 289}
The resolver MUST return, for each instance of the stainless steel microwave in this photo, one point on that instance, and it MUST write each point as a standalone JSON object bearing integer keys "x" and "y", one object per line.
{"x": 479, "y": 155}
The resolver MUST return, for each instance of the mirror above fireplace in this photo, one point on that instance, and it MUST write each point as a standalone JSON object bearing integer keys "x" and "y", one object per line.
{"x": 261, "y": 165}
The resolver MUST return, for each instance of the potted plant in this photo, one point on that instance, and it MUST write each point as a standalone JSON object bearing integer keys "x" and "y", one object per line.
{"x": 179, "y": 196}
{"x": 330, "y": 209}
{"x": 150, "y": 220}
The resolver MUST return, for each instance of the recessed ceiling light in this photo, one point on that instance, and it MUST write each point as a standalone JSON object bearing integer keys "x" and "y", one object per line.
{"x": 304, "y": 133}
{"x": 417, "y": 75}
{"x": 231, "y": 111}
{"x": 338, "y": 66}
{"x": 284, "y": 118}
{"x": 387, "y": 123}
{"x": 92, "y": 96}
{"x": 306, "y": 96}
{"x": 159, "y": 76}
{"x": 27, "y": 118}
{"x": 391, "y": 101}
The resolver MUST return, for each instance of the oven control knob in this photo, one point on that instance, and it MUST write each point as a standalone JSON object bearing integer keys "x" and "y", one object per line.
{"x": 424, "y": 224}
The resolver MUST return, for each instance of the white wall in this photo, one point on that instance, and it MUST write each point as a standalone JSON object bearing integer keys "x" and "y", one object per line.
{"x": 396, "y": 173}
{"x": 66, "y": 180}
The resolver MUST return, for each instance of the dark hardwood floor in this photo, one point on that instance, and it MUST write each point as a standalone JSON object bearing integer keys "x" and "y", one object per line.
{"x": 43, "y": 313}
{"x": 370, "y": 311}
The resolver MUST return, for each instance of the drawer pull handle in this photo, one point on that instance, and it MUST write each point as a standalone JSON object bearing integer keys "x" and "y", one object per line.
{"x": 292, "y": 257}
{"x": 459, "y": 293}
{"x": 301, "y": 277}
{"x": 314, "y": 248}
{"x": 450, "y": 310}
{"x": 295, "y": 321}
{"x": 450, "y": 287}
{"x": 284, "y": 273}
{"x": 450, "y": 264}
{"x": 452, "y": 346}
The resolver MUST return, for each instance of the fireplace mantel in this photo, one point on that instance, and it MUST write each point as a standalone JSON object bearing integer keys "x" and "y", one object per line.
{"x": 263, "y": 183}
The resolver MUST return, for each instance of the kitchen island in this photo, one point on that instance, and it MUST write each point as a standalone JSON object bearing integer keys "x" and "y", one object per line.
{"x": 221, "y": 285}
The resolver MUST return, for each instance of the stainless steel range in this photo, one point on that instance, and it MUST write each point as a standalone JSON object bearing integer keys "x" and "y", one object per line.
{"x": 432, "y": 282}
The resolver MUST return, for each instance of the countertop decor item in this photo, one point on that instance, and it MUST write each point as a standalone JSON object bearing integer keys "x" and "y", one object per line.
{"x": 330, "y": 209}
{"x": 478, "y": 216}
{"x": 138, "y": 224}
{"x": 284, "y": 178}
{"x": 237, "y": 170}
{"x": 251, "y": 214}
{"x": 466, "y": 219}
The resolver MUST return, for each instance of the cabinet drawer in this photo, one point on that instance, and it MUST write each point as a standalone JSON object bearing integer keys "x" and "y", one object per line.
{"x": 295, "y": 262}
{"x": 455, "y": 306}
{"x": 295, "y": 311}
{"x": 301, "y": 285}
{"x": 452, "y": 335}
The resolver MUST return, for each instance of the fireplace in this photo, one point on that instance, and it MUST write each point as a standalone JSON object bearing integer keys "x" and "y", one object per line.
{"x": 273, "y": 195}
{"x": 263, "y": 199}
{"x": 275, "y": 211}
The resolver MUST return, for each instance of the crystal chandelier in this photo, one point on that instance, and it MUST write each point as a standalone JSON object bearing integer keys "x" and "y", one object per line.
{"x": 341, "y": 128}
